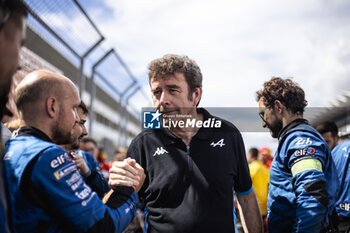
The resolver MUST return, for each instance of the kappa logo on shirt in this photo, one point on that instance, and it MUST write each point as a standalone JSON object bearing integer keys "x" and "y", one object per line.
{"x": 160, "y": 151}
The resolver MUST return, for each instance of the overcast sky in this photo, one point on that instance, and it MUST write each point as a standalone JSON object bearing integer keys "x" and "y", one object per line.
{"x": 237, "y": 44}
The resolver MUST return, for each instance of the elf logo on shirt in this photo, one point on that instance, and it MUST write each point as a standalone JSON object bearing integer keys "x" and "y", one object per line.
{"x": 59, "y": 160}
{"x": 344, "y": 206}
{"x": 305, "y": 151}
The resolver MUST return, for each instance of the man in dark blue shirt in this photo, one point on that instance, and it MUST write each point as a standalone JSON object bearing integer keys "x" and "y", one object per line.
{"x": 47, "y": 192}
{"x": 303, "y": 179}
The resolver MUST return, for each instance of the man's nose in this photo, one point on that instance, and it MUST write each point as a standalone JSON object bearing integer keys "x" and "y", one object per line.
{"x": 164, "y": 98}
{"x": 84, "y": 133}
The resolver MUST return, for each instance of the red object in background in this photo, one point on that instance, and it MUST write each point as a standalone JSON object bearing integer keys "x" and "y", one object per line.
{"x": 265, "y": 156}
{"x": 103, "y": 165}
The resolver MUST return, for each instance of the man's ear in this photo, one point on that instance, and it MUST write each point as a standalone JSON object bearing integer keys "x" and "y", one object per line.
{"x": 279, "y": 106}
{"x": 197, "y": 95}
{"x": 51, "y": 107}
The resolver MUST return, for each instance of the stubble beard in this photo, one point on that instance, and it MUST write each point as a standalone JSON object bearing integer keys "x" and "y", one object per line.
{"x": 275, "y": 128}
{"x": 59, "y": 136}
{"x": 75, "y": 145}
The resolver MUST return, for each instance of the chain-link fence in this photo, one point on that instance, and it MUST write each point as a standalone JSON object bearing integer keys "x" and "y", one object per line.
{"x": 67, "y": 27}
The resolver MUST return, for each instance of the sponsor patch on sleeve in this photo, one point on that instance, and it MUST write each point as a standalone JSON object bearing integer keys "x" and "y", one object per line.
{"x": 305, "y": 165}
{"x": 83, "y": 193}
{"x": 345, "y": 206}
{"x": 59, "y": 160}
{"x": 305, "y": 151}
{"x": 62, "y": 172}
{"x": 75, "y": 180}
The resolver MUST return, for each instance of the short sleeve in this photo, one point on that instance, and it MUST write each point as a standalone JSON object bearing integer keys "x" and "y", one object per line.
{"x": 242, "y": 180}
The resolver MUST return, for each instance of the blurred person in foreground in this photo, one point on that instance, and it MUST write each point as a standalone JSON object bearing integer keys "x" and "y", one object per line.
{"x": 87, "y": 166}
{"x": 192, "y": 171}
{"x": 303, "y": 179}
{"x": 12, "y": 35}
{"x": 329, "y": 132}
{"x": 47, "y": 192}
{"x": 260, "y": 178}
